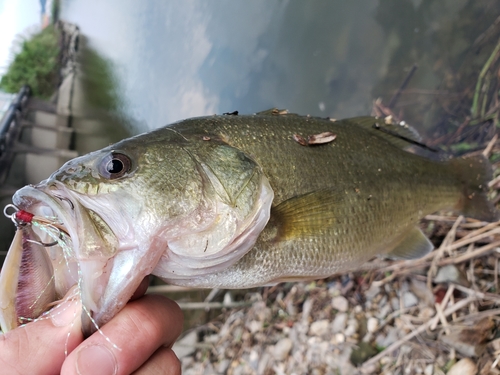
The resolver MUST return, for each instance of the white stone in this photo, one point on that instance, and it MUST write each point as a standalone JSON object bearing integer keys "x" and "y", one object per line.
{"x": 463, "y": 367}
{"x": 424, "y": 294}
{"x": 409, "y": 299}
{"x": 319, "y": 328}
{"x": 223, "y": 366}
{"x": 282, "y": 349}
{"x": 395, "y": 303}
{"x": 372, "y": 324}
{"x": 339, "y": 338}
{"x": 254, "y": 326}
{"x": 372, "y": 292}
{"x": 429, "y": 369}
{"x": 339, "y": 322}
{"x": 186, "y": 346}
{"x": 352, "y": 327}
{"x": 384, "y": 311}
{"x": 449, "y": 273}
{"x": 391, "y": 337}
{"x": 340, "y": 303}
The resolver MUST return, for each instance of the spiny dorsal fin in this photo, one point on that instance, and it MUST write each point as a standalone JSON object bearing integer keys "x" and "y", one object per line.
{"x": 276, "y": 112}
{"x": 399, "y": 134}
{"x": 413, "y": 245}
{"x": 306, "y": 215}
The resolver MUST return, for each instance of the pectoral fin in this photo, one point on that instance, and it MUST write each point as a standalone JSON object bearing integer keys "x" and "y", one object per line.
{"x": 306, "y": 215}
{"x": 412, "y": 246}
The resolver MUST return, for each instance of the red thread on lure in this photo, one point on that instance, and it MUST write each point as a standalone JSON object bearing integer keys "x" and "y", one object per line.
{"x": 24, "y": 216}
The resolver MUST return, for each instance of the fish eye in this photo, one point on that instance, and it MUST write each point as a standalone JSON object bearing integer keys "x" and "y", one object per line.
{"x": 115, "y": 165}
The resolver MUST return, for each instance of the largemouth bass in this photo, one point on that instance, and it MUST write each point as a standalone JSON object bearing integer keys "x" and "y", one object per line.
{"x": 242, "y": 201}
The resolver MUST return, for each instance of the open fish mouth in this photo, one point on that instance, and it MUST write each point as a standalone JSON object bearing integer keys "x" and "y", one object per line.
{"x": 50, "y": 225}
{"x": 41, "y": 265}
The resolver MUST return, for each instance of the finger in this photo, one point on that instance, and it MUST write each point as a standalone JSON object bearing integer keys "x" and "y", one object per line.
{"x": 39, "y": 347}
{"x": 162, "y": 362}
{"x": 129, "y": 339}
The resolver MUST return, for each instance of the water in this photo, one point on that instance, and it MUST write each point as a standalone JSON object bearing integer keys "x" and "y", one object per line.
{"x": 180, "y": 59}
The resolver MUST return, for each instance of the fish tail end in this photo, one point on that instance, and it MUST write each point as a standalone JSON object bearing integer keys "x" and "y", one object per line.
{"x": 474, "y": 172}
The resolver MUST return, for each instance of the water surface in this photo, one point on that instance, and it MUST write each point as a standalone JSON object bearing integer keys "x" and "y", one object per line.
{"x": 329, "y": 58}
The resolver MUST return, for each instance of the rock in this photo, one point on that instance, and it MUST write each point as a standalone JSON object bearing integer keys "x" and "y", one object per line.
{"x": 340, "y": 303}
{"x": 395, "y": 303}
{"x": 254, "y": 326}
{"x": 339, "y": 338}
{"x": 306, "y": 309}
{"x": 422, "y": 292}
{"x": 223, "y": 366}
{"x": 253, "y": 359}
{"x": 186, "y": 346}
{"x": 463, "y": 367}
{"x": 282, "y": 349}
{"x": 384, "y": 311}
{"x": 409, "y": 299}
{"x": 429, "y": 369}
{"x": 372, "y": 292}
{"x": 339, "y": 322}
{"x": 362, "y": 353}
{"x": 319, "y": 328}
{"x": 391, "y": 337}
{"x": 372, "y": 324}
{"x": 352, "y": 327}
{"x": 264, "y": 361}
{"x": 451, "y": 273}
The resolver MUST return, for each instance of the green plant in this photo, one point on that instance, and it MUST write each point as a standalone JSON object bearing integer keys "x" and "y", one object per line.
{"x": 36, "y": 65}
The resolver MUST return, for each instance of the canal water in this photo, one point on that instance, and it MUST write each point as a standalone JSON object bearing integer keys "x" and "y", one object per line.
{"x": 178, "y": 59}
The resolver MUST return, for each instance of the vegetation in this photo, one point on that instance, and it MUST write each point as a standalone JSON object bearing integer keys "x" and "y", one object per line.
{"x": 55, "y": 10}
{"x": 36, "y": 65}
{"x": 98, "y": 78}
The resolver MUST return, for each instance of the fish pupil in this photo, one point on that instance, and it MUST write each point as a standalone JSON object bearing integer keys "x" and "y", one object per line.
{"x": 115, "y": 166}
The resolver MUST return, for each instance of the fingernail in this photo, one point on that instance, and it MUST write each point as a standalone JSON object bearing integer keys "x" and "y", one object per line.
{"x": 65, "y": 313}
{"x": 95, "y": 359}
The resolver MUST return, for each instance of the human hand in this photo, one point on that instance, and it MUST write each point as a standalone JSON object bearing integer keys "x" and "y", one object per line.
{"x": 144, "y": 330}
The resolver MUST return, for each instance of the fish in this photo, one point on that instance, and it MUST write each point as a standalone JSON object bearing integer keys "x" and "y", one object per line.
{"x": 239, "y": 201}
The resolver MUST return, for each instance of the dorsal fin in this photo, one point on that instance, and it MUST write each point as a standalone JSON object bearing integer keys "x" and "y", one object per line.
{"x": 277, "y": 112}
{"x": 400, "y": 134}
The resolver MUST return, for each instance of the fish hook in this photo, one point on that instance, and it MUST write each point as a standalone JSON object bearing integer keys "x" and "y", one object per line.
{"x": 21, "y": 218}
{"x": 18, "y": 217}
{"x": 49, "y": 244}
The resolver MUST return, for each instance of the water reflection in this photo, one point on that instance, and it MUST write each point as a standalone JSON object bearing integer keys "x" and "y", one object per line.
{"x": 181, "y": 59}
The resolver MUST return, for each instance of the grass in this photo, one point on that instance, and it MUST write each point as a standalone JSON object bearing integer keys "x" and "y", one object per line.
{"x": 36, "y": 65}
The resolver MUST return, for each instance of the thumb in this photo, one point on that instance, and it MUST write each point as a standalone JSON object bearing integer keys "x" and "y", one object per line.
{"x": 40, "y": 347}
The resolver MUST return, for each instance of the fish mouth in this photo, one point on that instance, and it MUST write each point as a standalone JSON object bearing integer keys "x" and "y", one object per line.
{"x": 92, "y": 253}
{"x": 79, "y": 255}
{"x": 56, "y": 207}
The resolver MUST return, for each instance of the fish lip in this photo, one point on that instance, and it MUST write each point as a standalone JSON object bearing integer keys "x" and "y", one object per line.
{"x": 35, "y": 200}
